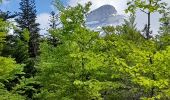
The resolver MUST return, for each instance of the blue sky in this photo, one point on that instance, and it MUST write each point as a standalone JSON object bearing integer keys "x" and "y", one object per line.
{"x": 41, "y": 5}
{"x": 44, "y": 7}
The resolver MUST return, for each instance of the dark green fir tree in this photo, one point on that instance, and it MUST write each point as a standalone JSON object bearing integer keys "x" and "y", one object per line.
{"x": 27, "y": 20}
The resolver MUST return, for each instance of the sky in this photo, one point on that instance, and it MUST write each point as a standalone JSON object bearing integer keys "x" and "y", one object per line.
{"x": 44, "y": 7}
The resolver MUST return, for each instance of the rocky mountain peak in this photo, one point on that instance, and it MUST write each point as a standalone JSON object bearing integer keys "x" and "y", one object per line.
{"x": 101, "y": 12}
{"x": 103, "y": 16}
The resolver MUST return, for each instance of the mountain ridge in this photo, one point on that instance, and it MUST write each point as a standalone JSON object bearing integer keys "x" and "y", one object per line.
{"x": 103, "y": 16}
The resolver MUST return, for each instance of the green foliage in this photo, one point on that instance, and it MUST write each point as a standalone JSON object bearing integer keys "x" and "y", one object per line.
{"x": 17, "y": 47}
{"x": 74, "y": 16}
{"x": 58, "y": 5}
{"x": 145, "y": 72}
{"x": 164, "y": 33}
{"x": 3, "y": 30}
{"x": 8, "y": 68}
{"x": 6, "y": 95}
{"x": 3, "y": 33}
{"x": 72, "y": 66}
{"x": 83, "y": 65}
{"x": 150, "y": 5}
{"x": 120, "y": 65}
{"x": 165, "y": 24}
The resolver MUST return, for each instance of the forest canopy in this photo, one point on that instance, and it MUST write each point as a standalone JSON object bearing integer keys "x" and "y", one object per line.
{"x": 75, "y": 62}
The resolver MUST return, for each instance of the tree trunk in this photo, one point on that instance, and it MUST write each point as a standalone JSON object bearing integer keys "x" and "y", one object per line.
{"x": 148, "y": 28}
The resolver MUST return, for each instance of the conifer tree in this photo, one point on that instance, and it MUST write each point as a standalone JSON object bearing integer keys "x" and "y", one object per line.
{"x": 8, "y": 68}
{"x": 164, "y": 33}
{"x": 7, "y": 15}
{"x": 54, "y": 18}
{"x": 27, "y": 20}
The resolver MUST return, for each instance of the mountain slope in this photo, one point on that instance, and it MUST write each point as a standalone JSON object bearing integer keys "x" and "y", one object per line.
{"x": 103, "y": 16}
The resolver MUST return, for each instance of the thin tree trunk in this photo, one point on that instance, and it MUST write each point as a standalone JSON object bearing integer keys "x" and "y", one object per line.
{"x": 153, "y": 78}
{"x": 149, "y": 23}
{"x": 148, "y": 28}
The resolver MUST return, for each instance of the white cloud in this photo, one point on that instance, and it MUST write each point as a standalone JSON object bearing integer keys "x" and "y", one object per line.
{"x": 5, "y": 2}
{"x": 141, "y": 20}
{"x": 13, "y": 22}
{"x": 43, "y": 20}
{"x": 120, "y": 5}
{"x": 52, "y": 7}
{"x": 168, "y": 1}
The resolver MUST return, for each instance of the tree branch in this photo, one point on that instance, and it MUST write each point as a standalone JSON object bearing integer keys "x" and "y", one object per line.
{"x": 144, "y": 11}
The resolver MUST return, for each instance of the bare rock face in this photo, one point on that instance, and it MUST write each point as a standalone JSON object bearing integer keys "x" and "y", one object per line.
{"x": 103, "y": 16}
{"x": 101, "y": 12}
